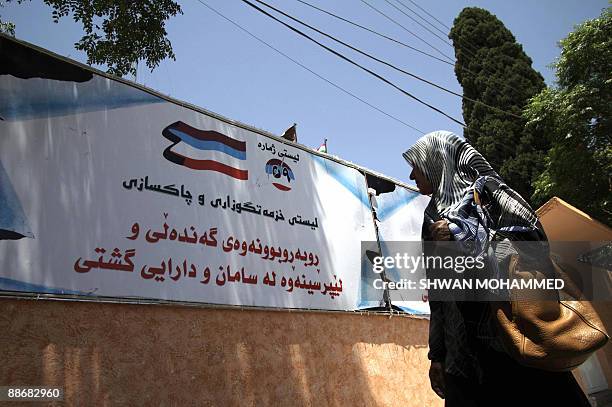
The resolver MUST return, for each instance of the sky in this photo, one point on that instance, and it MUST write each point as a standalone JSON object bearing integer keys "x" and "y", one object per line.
{"x": 223, "y": 69}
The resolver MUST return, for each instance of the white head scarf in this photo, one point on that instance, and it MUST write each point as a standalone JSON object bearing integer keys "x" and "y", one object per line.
{"x": 452, "y": 165}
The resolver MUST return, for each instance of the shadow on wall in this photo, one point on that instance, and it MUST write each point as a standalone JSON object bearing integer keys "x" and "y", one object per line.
{"x": 119, "y": 354}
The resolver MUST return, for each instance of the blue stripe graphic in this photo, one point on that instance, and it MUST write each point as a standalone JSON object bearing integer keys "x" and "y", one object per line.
{"x": 23, "y": 99}
{"x": 209, "y": 145}
{"x": 347, "y": 177}
{"x": 388, "y": 204}
{"x": 9, "y": 284}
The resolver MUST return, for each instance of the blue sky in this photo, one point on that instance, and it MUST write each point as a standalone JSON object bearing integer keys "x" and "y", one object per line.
{"x": 220, "y": 68}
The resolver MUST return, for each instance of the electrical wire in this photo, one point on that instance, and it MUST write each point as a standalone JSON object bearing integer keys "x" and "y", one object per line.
{"x": 429, "y": 22}
{"x": 444, "y": 40}
{"x": 375, "y": 32}
{"x": 469, "y": 48}
{"x": 426, "y": 12}
{"x": 452, "y": 59}
{"x": 310, "y": 70}
{"x": 400, "y": 43}
{"x": 507, "y": 148}
{"x": 330, "y": 82}
{"x": 349, "y": 60}
{"x": 384, "y": 62}
{"x": 474, "y": 47}
{"x": 423, "y": 18}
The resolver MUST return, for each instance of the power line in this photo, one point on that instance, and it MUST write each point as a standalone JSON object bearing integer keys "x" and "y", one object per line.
{"x": 401, "y": 43}
{"x": 335, "y": 85}
{"x": 381, "y": 61}
{"x": 425, "y": 11}
{"x": 356, "y": 49}
{"x": 407, "y": 30}
{"x": 507, "y": 148}
{"x": 325, "y": 79}
{"x": 469, "y": 48}
{"x": 338, "y": 54}
{"x": 400, "y": 2}
{"x": 375, "y": 32}
{"x": 433, "y": 17}
{"x": 310, "y": 70}
{"x": 444, "y": 40}
{"x": 470, "y": 54}
{"x": 366, "y": 69}
{"x": 422, "y": 18}
{"x": 438, "y": 21}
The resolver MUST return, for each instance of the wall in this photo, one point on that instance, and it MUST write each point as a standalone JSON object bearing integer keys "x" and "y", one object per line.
{"x": 122, "y": 354}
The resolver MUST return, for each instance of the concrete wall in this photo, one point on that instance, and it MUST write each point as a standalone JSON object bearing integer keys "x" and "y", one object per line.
{"x": 121, "y": 354}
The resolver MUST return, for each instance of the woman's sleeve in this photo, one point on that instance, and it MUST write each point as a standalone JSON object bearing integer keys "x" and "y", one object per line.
{"x": 437, "y": 350}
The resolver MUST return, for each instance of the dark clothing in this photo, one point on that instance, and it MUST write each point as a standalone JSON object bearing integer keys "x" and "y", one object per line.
{"x": 506, "y": 383}
{"x": 457, "y": 329}
{"x": 449, "y": 342}
{"x": 485, "y": 215}
{"x": 478, "y": 372}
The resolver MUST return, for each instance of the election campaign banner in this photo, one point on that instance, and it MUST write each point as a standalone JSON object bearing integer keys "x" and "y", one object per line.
{"x": 110, "y": 190}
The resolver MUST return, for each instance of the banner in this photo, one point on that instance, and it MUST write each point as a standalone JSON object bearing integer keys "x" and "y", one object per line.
{"x": 399, "y": 214}
{"x": 109, "y": 190}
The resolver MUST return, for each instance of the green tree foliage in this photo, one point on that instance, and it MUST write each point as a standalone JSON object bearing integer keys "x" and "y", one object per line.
{"x": 576, "y": 116}
{"x": 6, "y": 26}
{"x": 118, "y": 33}
{"x": 493, "y": 68}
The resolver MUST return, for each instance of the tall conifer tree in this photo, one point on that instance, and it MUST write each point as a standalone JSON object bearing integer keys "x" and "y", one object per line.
{"x": 493, "y": 68}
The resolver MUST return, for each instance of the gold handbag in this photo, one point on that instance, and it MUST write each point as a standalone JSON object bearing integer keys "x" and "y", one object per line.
{"x": 557, "y": 332}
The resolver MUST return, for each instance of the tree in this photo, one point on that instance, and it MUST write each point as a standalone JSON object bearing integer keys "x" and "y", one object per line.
{"x": 118, "y": 33}
{"x": 492, "y": 68}
{"x": 576, "y": 116}
{"x": 6, "y": 26}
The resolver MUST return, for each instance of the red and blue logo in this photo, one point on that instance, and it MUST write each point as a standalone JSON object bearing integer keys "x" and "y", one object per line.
{"x": 281, "y": 172}
{"x": 208, "y": 143}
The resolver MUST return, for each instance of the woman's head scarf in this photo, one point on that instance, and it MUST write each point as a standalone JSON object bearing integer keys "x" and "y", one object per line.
{"x": 452, "y": 166}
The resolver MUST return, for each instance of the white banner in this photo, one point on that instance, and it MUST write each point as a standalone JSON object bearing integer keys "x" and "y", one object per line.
{"x": 400, "y": 215}
{"x": 106, "y": 190}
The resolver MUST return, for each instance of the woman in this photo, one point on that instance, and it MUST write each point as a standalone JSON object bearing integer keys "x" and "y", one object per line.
{"x": 468, "y": 364}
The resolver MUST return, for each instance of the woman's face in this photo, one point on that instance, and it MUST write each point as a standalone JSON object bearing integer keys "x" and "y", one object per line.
{"x": 423, "y": 184}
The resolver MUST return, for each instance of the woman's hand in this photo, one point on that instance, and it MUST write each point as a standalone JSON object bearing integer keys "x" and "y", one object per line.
{"x": 436, "y": 377}
{"x": 439, "y": 230}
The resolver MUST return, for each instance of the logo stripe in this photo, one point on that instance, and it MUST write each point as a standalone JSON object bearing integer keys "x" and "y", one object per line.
{"x": 205, "y": 140}
{"x": 206, "y": 135}
{"x": 208, "y": 145}
{"x": 215, "y": 166}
